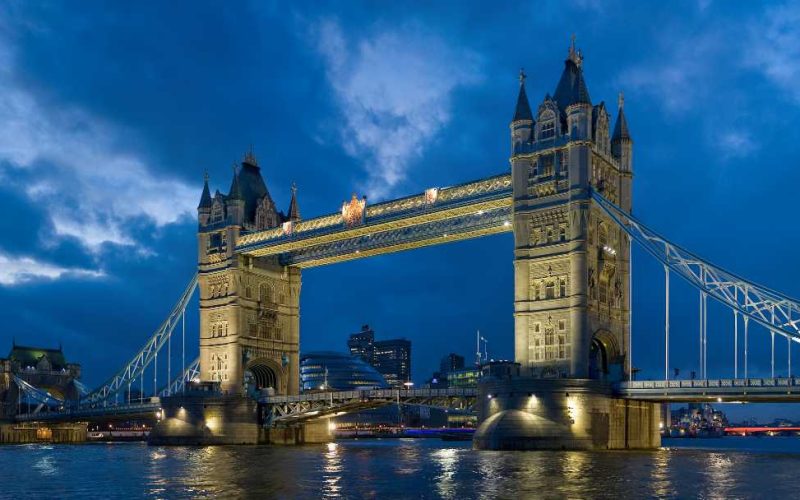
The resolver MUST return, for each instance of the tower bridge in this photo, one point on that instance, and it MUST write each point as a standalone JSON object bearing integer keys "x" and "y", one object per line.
{"x": 567, "y": 201}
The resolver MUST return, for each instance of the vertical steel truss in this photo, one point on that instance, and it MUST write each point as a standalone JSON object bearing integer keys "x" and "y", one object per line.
{"x": 775, "y": 311}
{"x": 178, "y": 383}
{"x": 142, "y": 359}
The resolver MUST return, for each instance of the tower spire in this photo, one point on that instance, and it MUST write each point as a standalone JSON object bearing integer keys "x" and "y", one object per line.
{"x": 294, "y": 211}
{"x": 205, "y": 198}
{"x": 250, "y": 157}
{"x": 523, "y": 109}
{"x": 575, "y": 55}
{"x": 236, "y": 192}
{"x": 621, "y": 127}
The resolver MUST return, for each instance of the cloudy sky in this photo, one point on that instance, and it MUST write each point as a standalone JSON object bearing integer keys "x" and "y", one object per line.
{"x": 111, "y": 113}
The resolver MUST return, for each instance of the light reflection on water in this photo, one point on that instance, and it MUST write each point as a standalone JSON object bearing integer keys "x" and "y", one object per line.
{"x": 390, "y": 468}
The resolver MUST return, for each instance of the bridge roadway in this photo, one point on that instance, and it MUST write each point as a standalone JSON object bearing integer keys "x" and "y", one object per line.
{"x": 147, "y": 409}
{"x": 291, "y": 409}
{"x": 763, "y": 390}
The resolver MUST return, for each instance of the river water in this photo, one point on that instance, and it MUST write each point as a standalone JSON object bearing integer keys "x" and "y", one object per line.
{"x": 729, "y": 467}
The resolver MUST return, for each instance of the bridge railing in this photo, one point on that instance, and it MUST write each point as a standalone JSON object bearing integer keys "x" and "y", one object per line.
{"x": 712, "y": 383}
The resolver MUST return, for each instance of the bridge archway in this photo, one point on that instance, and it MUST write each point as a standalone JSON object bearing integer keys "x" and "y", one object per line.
{"x": 263, "y": 373}
{"x": 604, "y": 356}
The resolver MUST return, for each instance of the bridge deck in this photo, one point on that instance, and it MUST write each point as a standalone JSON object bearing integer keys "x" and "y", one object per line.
{"x": 719, "y": 390}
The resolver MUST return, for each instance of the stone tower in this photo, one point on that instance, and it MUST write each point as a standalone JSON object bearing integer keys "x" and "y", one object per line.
{"x": 571, "y": 262}
{"x": 249, "y": 307}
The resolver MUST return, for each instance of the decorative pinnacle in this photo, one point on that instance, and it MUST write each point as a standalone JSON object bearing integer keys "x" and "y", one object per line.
{"x": 522, "y": 76}
{"x": 205, "y": 176}
{"x": 575, "y": 55}
{"x": 250, "y": 157}
{"x": 621, "y": 100}
{"x": 294, "y": 188}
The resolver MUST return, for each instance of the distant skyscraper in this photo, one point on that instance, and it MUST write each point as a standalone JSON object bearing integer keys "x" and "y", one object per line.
{"x": 392, "y": 359}
{"x": 451, "y": 363}
{"x": 362, "y": 344}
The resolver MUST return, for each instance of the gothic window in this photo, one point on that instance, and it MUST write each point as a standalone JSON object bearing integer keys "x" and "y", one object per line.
{"x": 217, "y": 213}
{"x": 248, "y": 292}
{"x": 562, "y": 287}
{"x": 550, "y": 234}
{"x": 537, "y": 327}
{"x": 564, "y": 162}
{"x": 561, "y": 347}
{"x": 265, "y": 294}
{"x": 224, "y": 238}
{"x": 562, "y": 232}
{"x": 603, "y": 290}
{"x": 549, "y": 342}
{"x": 562, "y": 325}
{"x": 550, "y": 290}
{"x": 537, "y": 290}
{"x": 548, "y": 129}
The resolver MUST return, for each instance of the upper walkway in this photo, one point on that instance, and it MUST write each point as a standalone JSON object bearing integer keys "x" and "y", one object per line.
{"x": 437, "y": 215}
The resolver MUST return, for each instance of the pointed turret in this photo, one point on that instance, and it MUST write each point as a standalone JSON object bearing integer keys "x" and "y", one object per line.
{"x": 522, "y": 124}
{"x": 236, "y": 190}
{"x": 204, "y": 207}
{"x": 621, "y": 141}
{"x": 205, "y": 198}
{"x": 621, "y": 127}
{"x": 523, "y": 110}
{"x": 294, "y": 211}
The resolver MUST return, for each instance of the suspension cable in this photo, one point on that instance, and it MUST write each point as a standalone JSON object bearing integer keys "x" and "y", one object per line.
{"x": 666, "y": 322}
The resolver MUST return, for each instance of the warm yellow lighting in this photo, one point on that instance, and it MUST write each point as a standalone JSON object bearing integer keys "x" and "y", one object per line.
{"x": 331, "y": 427}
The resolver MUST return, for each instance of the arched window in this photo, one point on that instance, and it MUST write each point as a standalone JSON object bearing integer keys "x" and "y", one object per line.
{"x": 562, "y": 287}
{"x": 547, "y": 125}
{"x": 550, "y": 290}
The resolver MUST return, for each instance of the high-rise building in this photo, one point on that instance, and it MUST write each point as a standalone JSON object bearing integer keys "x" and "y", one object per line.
{"x": 362, "y": 344}
{"x": 392, "y": 359}
{"x": 450, "y": 363}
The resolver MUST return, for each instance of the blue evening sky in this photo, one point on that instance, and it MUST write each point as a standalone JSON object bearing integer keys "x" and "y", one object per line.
{"x": 111, "y": 112}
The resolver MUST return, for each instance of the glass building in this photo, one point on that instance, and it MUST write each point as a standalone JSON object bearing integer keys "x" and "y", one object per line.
{"x": 334, "y": 371}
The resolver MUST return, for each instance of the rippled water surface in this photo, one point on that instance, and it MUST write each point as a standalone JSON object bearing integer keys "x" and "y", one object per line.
{"x": 712, "y": 468}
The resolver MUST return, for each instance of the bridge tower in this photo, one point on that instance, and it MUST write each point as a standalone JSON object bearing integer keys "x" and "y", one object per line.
{"x": 249, "y": 307}
{"x": 571, "y": 263}
{"x": 571, "y": 281}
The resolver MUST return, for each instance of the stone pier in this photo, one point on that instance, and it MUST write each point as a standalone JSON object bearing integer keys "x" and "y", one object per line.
{"x": 226, "y": 420}
{"x": 553, "y": 414}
